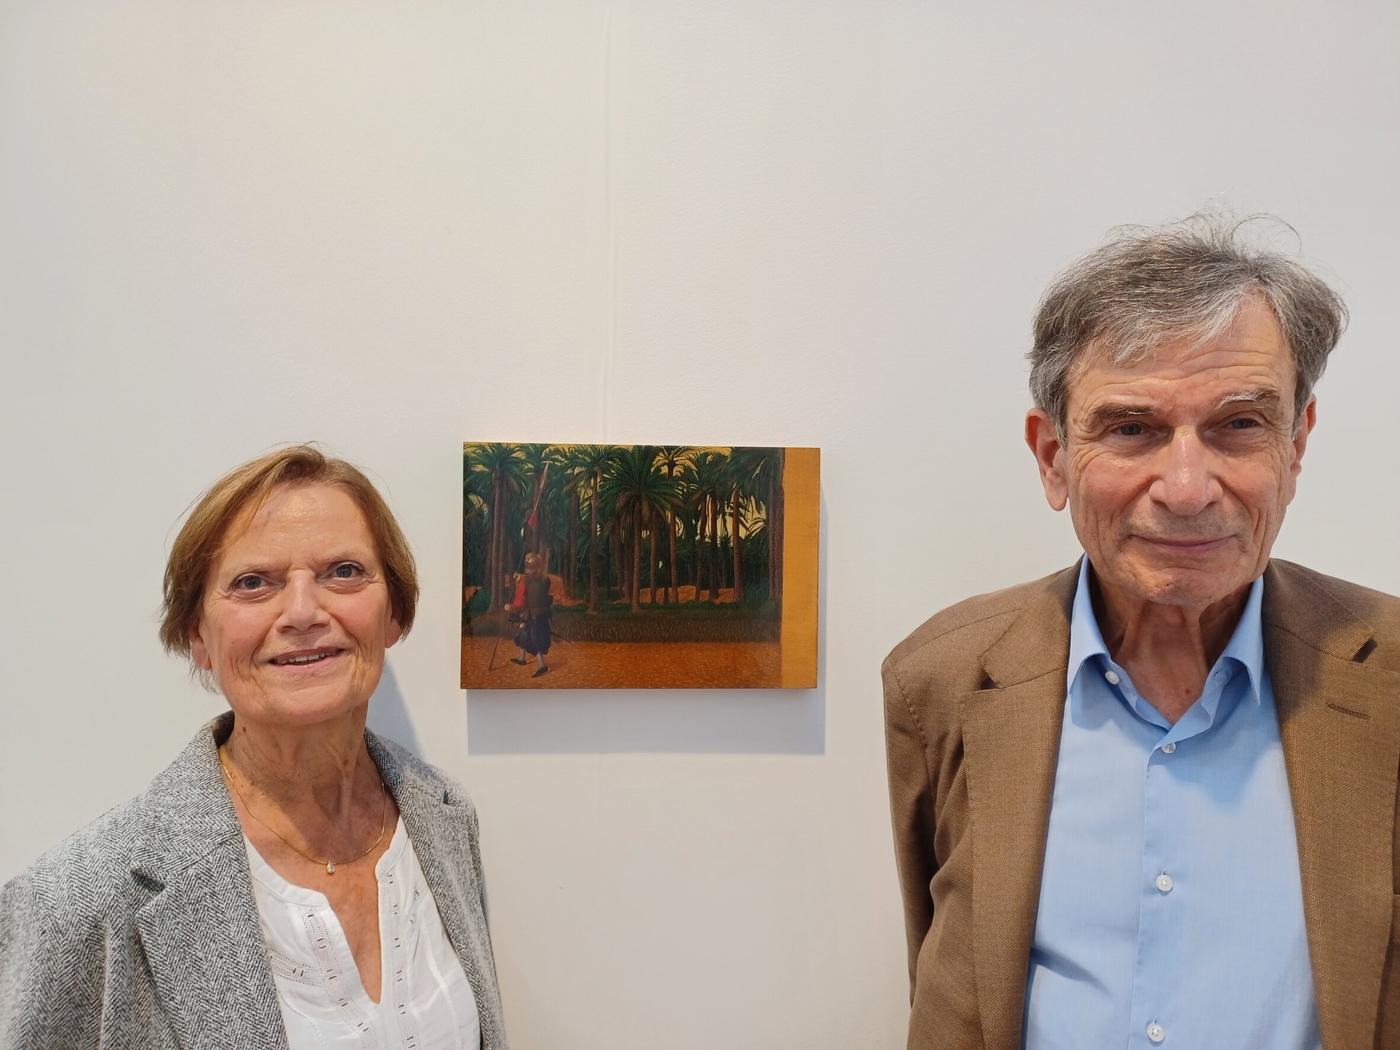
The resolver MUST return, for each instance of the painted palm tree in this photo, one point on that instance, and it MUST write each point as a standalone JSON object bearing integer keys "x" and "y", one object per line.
{"x": 505, "y": 467}
{"x": 593, "y": 462}
{"x": 556, "y": 520}
{"x": 749, "y": 474}
{"x": 672, "y": 459}
{"x": 704, "y": 482}
{"x": 633, "y": 492}
{"x": 537, "y": 461}
{"x": 772, "y": 477}
{"x": 573, "y": 490}
{"x": 476, "y": 488}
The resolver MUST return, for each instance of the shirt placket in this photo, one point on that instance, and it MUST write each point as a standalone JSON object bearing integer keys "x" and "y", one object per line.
{"x": 1160, "y": 875}
{"x": 1166, "y": 867}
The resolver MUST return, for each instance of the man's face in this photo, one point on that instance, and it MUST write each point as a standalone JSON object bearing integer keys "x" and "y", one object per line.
{"x": 1178, "y": 469}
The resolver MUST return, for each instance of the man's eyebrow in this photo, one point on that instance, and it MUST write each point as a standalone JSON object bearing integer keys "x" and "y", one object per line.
{"x": 1265, "y": 398}
{"x": 1114, "y": 412}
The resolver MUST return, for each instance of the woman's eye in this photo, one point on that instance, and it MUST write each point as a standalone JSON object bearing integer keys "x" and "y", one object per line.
{"x": 346, "y": 570}
{"x": 248, "y": 582}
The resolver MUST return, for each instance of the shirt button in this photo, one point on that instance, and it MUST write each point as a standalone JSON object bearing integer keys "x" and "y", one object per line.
{"x": 1112, "y": 677}
{"x": 1169, "y": 748}
{"x": 1156, "y": 1033}
{"x": 1163, "y": 882}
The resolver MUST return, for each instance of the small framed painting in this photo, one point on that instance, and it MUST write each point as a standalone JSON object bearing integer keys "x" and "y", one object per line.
{"x": 639, "y": 566}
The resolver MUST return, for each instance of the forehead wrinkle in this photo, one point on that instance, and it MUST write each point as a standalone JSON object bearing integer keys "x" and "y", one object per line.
{"x": 253, "y": 515}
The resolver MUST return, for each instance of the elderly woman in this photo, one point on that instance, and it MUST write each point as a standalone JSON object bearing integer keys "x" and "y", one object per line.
{"x": 291, "y": 880}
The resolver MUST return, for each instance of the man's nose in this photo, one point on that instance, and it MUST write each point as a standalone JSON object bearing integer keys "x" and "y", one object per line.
{"x": 1186, "y": 483}
{"x": 301, "y": 603}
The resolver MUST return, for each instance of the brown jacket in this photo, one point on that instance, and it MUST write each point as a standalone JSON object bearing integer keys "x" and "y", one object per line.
{"x": 973, "y": 706}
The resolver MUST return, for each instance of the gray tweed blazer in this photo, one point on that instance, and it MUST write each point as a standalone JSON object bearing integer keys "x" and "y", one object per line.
{"x": 141, "y": 930}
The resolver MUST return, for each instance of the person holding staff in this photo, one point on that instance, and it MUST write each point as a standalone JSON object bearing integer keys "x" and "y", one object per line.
{"x": 531, "y": 607}
{"x": 291, "y": 880}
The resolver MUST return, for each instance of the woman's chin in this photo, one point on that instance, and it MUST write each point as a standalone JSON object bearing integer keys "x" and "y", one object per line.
{"x": 304, "y": 707}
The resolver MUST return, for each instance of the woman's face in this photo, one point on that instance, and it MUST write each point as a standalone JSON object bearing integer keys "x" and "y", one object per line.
{"x": 296, "y": 613}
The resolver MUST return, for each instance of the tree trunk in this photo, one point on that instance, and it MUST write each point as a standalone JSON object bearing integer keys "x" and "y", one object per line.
{"x": 651, "y": 563}
{"x": 699, "y": 551}
{"x": 774, "y": 539}
{"x": 716, "y": 562}
{"x": 738, "y": 553}
{"x": 782, "y": 523}
{"x": 621, "y": 560}
{"x": 635, "y": 591}
{"x": 570, "y": 572}
{"x": 673, "y": 593}
{"x": 593, "y": 546}
{"x": 493, "y": 559}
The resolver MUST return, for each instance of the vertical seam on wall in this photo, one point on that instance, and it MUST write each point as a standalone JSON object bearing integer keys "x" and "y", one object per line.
{"x": 609, "y": 228}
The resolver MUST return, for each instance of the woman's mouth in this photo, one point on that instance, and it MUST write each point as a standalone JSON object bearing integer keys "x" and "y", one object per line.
{"x": 305, "y": 657}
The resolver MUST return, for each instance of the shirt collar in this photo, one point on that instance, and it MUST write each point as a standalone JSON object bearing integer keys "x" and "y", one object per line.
{"x": 1246, "y": 645}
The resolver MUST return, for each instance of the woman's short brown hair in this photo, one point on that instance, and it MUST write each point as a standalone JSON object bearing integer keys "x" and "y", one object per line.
{"x": 202, "y": 536}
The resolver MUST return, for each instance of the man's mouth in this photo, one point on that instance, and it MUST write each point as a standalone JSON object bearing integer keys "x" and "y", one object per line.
{"x": 302, "y": 657}
{"x": 1177, "y": 543}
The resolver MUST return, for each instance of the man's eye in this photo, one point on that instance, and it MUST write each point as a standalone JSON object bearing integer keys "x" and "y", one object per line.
{"x": 1242, "y": 423}
{"x": 1130, "y": 429}
{"x": 347, "y": 570}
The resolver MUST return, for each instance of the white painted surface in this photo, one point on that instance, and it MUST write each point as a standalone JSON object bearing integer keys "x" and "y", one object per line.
{"x": 395, "y": 227}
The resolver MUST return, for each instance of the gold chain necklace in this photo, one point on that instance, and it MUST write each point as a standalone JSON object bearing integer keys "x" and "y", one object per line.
{"x": 330, "y": 864}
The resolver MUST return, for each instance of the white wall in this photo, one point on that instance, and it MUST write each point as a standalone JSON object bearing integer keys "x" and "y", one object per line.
{"x": 393, "y": 227}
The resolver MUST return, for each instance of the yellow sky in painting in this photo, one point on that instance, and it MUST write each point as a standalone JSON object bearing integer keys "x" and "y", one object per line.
{"x": 467, "y": 446}
{"x": 745, "y": 529}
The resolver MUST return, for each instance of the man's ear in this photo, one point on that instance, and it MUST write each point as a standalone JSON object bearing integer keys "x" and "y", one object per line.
{"x": 1044, "y": 441}
{"x": 1300, "y": 435}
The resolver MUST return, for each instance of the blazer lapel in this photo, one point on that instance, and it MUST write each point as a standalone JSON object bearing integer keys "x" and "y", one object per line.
{"x": 1341, "y": 742}
{"x": 199, "y": 928}
{"x": 1011, "y": 737}
{"x": 439, "y": 826}
{"x": 204, "y": 945}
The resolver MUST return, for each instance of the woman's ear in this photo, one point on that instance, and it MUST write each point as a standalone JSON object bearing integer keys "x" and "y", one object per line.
{"x": 199, "y": 652}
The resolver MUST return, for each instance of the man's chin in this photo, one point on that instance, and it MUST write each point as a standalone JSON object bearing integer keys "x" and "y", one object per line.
{"x": 1192, "y": 586}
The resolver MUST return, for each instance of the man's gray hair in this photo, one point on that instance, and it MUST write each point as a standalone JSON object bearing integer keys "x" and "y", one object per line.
{"x": 1187, "y": 280}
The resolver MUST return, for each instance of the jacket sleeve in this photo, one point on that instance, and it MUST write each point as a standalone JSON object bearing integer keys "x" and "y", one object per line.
{"x": 911, "y": 811}
{"x": 50, "y": 968}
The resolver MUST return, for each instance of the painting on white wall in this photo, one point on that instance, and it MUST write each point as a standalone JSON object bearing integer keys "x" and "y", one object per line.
{"x": 638, "y": 566}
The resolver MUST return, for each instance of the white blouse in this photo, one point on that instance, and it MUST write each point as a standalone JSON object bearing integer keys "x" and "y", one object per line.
{"x": 427, "y": 1002}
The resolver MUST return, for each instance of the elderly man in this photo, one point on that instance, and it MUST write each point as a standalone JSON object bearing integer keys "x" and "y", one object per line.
{"x": 1151, "y": 800}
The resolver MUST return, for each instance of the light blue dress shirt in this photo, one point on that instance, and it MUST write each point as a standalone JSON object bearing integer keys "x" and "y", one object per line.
{"x": 1171, "y": 907}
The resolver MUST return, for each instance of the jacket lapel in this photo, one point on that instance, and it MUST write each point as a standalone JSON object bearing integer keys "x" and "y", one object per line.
{"x": 199, "y": 927}
{"x": 1011, "y": 737}
{"x": 1341, "y": 743}
{"x": 440, "y": 825}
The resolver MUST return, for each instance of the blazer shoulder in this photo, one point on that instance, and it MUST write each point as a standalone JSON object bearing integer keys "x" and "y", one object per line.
{"x": 78, "y": 890}
{"x": 969, "y": 627}
{"x": 399, "y": 764}
{"x": 1379, "y": 611}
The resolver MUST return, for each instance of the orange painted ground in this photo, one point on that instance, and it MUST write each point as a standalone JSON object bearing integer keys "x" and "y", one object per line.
{"x": 624, "y": 665}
